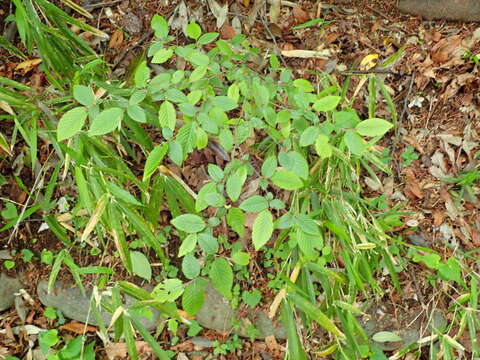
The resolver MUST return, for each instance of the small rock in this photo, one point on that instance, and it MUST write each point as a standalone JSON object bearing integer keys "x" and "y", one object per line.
{"x": 71, "y": 302}
{"x": 202, "y": 342}
{"x": 8, "y": 287}
{"x": 132, "y": 23}
{"x": 217, "y": 314}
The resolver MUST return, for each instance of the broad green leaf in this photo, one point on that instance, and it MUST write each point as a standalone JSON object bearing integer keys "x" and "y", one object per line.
{"x": 198, "y": 73}
{"x": 373, "y": 127}
{"x": 269, "y": 166}
{"x": 322, "y": 147}
{"x": 121, "y": 194}
{"x": 202, "y": 138}
{"x": 236, "y": 220}
{"x": 386, "y": 336}
{"x": 175, "y": 152}
{"x": 167, "y": 116}
{"x": 154, "y": 159}
{"x": 221, "y": 275}
{"x": 303, "y": 84}
{"x": 106, "y": 121}
{"x": 451, "y": 270}
{"x": 234, "y": 92}
{"x": 201, "y": 203}
{"x": 326, "y": 103}
{"x": 142, "y": 74}
{"x": 224, "y": 102}
{"x": 208, "y": 243}
{"x": 241, "y": 258}
{"x": 71, "y": 123}
{"x": 208, "y": 38}
{"x": 295, "y": 162}
{"x": 194, "y": 96}
{"x": 162, "y": 55}
{"x": 188, "y": 245}
{"x": 287, "y": 180}
{"x": 226, "y": 139}
{"x": 194, "y": 296}
{"x": 160, "y": 26}
{"x": 262, "y": 229}
{"x": 198, "y": 58}
{"x": 193, "y": 30}
{"x": 295, "y": 348}
{"x": 84, "y": 95}
{"x": 309, "y": 135}
{"x": 190, "y": 266}
{"x": 189, "y": 223}
{"x": 215, "y": 172}
{"x": 354, "y": 143}
{"x": 254, "y": 204}
{"x": 168, "y": 290}
{"x": 345, "y": 119}
{"x": 251, "y": 298}
{"x": 235, "y": 182}
{"x": 141, "y": 265}
{"x": 137, "y": 97}
{"x": 137, "y": 113}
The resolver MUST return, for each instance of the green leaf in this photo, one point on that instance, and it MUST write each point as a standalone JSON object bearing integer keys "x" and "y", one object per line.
{"x": 167, "y": 116}
{"x": 221, "y": 275}
{"x": 190, "y": 266}
{"x": 162, "y": 55}
{"x": 295, "y": 348}
{"x": 201, "y": 203}
{"x": 241, "y": 258}
{"x": 251, "y": 298}
{"x": 309, "y": 135}
{"x": 287, "y": 180}
{"x": 254, "y": 204}
{"x": 235, "y": 182}
{"x": 386, "y": 336}
{"x": 142, "y": 74}
{"x": 189, "y": 223}
{"x": 269, "y": 166}
{"x": 322, "y": 147}
{"x": 198, "y": 73}
{"x": 354, "y": 143}
{"x": 188, "y": 245}
{"x": 168, "y": 290}
{"x": 373, "y": 127}
{"x": 194, "y": 296}
{"x": 175, "y": 152}
{"x": 137, "y": 113}
{"x": 160, "y": 26}
{"x": 215, "y": 172}
{"x": 303, "y": 85}
{"x": 451, "y": 271}
{"x": 106, "y": 121}
{"x": 71, "y": 123}
{"x": 141, "y": 265}
{"x": 154, "y": 159}
{"x": 208, "y": 243}
{"x": 224, "y": 103}
{"x": 236, "y": 220}
{"x": 226, "y": 139}
{"x": 326, "y": 103}
{"x": 193, "y": 30}
{"x": 262, "y": 229}
{"x": 208, "y": 38}
{"x": 84, "y": 95}
{"x": 294, "y": 162}
{"x": 121, "y": 194}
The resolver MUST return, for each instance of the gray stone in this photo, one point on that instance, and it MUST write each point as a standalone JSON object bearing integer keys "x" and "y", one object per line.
{"x": 217, "y": 314}
{"x": 70, "y": 301}
{"x": 463, "y": 10}
{"x": 8, "y": 287}
{"x": 202, "y": 342}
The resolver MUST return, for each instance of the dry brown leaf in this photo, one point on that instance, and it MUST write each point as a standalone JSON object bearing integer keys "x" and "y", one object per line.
{"x": 412, "y": 186}
{"x": 119, "y": 350}
{"x": 78, "y": 327}
{"x": 227, "y": 32}
{"x": 275, "y": 8}
{"x": 28, "y": 65}
{"x": 438, "y": 217}
{"x": 445, "y": 49}
{"x": 116, "y": 40}
{"x": 300, "y": 15}
{"x": 184, "y": 346}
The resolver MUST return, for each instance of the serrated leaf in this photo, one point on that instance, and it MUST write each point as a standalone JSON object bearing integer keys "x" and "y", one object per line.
{"x": 327, "y": 103}
{"x": 142, "y": 74}
{"x": 295, "y": 162}
{"x": 154, "y": 159}
{"x": 208, "y": 243}
{"x": 189, "y": 223}
{"x": 262, "y": 229}
{"x": 71, "y": 123}
{"x": 167, "y": 116}
{"x": 386, "y": 336}
{"x": 162, "y": 55}
{"x": 373, "y": 127}
{"x": 254, "y": 204}
{"x": 175, "y": 152}
{"x": 106, "y": 121}
{"x": 194, "y": 296}
{"x": 269, "y": 166}
{"x": 141, "y": 265}
{"x": 221, "y": 275}
{"x": 84, "y": 95}
{"x": 287, "y": 180}
{"x": 224, "y": 102}
{"x": 198, "y": 73}
{"x": 236, "y": 220}
{"x": 235, "y": 182}
{"x": 190, "y": 266}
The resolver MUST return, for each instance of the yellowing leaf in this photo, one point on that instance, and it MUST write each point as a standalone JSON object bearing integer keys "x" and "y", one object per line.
{"x": 369, "y": 62}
